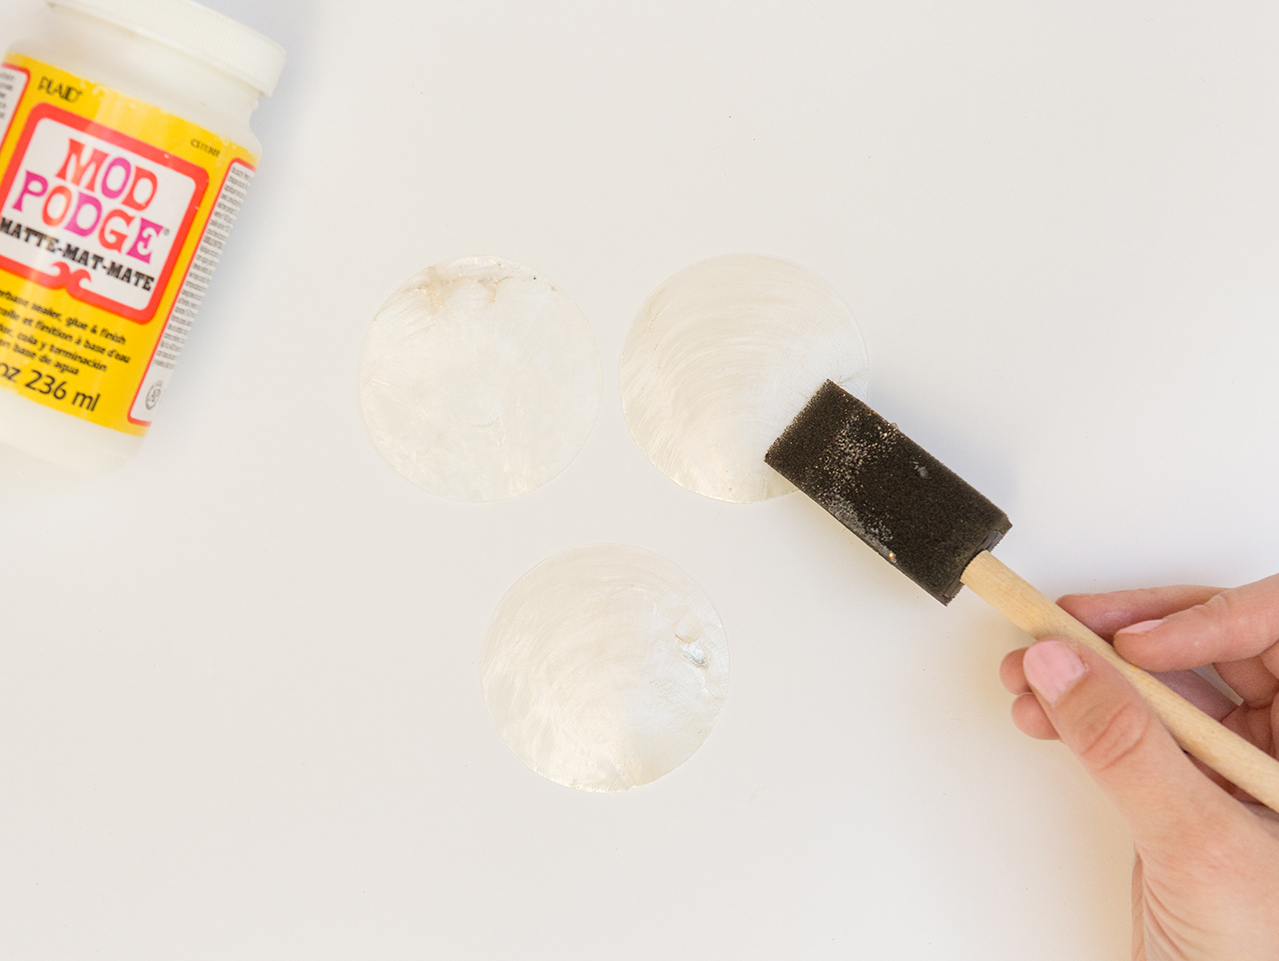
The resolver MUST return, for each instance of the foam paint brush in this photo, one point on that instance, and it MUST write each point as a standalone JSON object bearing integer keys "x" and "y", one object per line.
{"x": 936, "y": 529}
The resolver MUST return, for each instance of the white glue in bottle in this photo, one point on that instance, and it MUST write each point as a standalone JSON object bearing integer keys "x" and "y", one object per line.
{"x": 125, "y": 153}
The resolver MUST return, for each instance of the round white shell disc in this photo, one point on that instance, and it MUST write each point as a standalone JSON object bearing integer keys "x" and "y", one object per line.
{"x": 721, "y": 358}
{"x": 479, "y": 379}
{"x": 604, "y": 667}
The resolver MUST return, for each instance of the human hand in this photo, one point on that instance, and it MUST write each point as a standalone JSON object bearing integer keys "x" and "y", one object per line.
{"x": 1205, "y": 886}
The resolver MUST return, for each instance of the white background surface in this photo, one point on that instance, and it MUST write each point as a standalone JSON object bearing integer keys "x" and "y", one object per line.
{"x": 240, "y": 710}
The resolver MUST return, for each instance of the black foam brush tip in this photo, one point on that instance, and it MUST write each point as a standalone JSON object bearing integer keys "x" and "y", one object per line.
{"x": 922, "y": 517}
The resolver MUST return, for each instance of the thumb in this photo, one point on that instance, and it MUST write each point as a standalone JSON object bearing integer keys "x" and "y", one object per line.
{"x": 1122, "y": 744}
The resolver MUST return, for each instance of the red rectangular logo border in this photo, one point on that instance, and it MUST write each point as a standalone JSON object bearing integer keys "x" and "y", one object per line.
{"x": 71, "y": 279}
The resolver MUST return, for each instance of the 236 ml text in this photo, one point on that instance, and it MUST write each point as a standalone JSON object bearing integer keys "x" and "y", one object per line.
{"x": 41, "y": 383}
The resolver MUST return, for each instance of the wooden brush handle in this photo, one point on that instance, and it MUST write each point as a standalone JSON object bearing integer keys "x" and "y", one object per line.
{"x": 1220, "y": 748}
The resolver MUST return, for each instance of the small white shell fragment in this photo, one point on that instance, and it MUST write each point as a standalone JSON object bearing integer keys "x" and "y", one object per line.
{"x": 479, "y": 379}
{"x": 604, "y": 668}
{"x": 721, "y": 358}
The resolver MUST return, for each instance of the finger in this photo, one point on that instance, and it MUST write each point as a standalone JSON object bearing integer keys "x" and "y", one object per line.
{"x": 1195, "y": 689}
{"x": 1011, "y": 675}
{"x": 1029, "y": 716}
{"x": 1104, "y": 614}
{"x": 1122, "y": 745}
{"x": 1230, "y": 626}
{"x": 1198, "y": 691}
{"x": 1251, "y": 680}
{"x": 1255, "y": 726}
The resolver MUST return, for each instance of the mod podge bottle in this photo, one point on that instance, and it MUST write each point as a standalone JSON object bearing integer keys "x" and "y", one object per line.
{"x": 126, "y": 154}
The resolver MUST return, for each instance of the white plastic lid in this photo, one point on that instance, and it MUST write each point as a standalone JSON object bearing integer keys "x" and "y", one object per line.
{"x": 196, "y": 31}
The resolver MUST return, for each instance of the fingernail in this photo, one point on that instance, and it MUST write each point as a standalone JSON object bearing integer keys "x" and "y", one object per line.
{"x": 1142, "y": 627}
{"x": 1051, "y": 668}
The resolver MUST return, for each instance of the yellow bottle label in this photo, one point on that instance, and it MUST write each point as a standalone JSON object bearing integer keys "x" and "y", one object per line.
{"x": 114, "y": 215}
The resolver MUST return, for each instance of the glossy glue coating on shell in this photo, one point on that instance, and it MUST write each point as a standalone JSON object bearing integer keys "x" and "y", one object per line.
{"x": 479, "y": 379}
{"x": 604, "y": 668}
{"x": 721, "y": 357}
